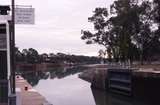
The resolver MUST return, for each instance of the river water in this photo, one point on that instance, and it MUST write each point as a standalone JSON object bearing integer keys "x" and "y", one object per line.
{"x": 62, "y": 86}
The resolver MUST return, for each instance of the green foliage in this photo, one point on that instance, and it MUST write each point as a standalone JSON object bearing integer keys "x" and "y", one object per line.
{"x": 127, "y": 31}
{"x": 32, "y": 56}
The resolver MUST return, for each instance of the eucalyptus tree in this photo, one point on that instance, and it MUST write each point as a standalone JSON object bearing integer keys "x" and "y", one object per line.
{"x": 156, "y": 38}
{"x": 99, "y": 19}
{"x": 124, "y": 18}
{"x": 102, "y": 30}
{"x": 123, "y": 31}
{"x": 113, "y": 30}
{"x": 30, "y": 55}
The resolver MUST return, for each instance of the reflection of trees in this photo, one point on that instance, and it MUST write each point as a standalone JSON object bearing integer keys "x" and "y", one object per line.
{"x": 103, "y": 98}
{"x": 34, "y": 76}
{"x": 63, "y": 72}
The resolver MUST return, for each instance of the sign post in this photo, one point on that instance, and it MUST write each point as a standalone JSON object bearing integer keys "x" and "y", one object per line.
{"x": 20, "y": 15}
{"x": 13, "y": 48}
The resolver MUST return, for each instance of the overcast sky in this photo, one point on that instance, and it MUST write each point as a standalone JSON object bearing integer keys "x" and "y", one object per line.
{"x": 58, "y": 25}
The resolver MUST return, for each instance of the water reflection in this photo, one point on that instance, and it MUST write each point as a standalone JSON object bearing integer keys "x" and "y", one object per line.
{"x": 61, "y": 86}
{"x": 103, "y": 98}
{"x": 33, "y": 77}
{"x": 106, "y": 98}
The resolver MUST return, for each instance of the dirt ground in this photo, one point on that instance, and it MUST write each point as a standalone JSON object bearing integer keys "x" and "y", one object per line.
{"x": 153, "y": 66}
{"x": 145, "y": 66}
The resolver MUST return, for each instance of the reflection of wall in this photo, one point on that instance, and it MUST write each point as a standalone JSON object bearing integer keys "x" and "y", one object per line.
{"x": 104, "y": 98}
{"x": 117, "y": 100}
{"x": 99, "y": 97}
{"x": 147, "y": 89}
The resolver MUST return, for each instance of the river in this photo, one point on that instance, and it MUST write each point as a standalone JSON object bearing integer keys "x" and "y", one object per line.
{"x": 62, "y": 86}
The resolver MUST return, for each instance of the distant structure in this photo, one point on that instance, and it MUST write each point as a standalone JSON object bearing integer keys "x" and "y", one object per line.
{"x": 5, "y": 59}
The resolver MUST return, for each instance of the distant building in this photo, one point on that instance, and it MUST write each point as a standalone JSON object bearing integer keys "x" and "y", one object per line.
{"x": 5, "y": 62}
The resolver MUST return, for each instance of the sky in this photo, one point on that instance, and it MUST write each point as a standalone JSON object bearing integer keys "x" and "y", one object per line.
{"x": 58, "y": 25}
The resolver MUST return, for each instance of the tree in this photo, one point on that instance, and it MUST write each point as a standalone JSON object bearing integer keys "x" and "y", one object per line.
{"x": 102, "y": 28}
{"x": 24, "y": 55}
{"x": 30, "y": 56}
{"x": 102, "y": 55}
{"x": 122, "y": 27}
{"x": 18, "y": 55}
{"x": 43, "y": 57}
{"x": 125, "y": 31}
{"x": 156, "y": 38}
{"x": 33, "y": 55}
{"x": 99, "y": 21}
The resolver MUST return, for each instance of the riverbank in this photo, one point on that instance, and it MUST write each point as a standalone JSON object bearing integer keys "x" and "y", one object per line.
{"x": 39, "y": 66}
{"x": 155, "y": 67}
{"x": 26, "y": 95}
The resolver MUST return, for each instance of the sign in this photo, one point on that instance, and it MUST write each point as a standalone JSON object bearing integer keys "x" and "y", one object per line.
{"x": 24, "y": 15}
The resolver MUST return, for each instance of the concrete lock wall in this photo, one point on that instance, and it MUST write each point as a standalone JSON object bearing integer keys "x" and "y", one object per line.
{"x": 99, "y": 79}
{"x": 144, "y": 86}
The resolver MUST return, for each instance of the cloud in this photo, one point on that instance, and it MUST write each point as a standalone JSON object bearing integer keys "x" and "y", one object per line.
{"x": 57, "y": 25}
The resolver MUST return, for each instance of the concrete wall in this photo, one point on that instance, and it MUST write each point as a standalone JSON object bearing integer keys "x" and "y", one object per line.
{"x": 100, "y": 79}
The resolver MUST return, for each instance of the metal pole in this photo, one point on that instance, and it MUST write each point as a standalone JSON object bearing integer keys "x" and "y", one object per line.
{"x": 13, "y": 48}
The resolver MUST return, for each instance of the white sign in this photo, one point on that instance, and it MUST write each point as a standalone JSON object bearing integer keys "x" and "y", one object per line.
{"x": 24, "y": 16}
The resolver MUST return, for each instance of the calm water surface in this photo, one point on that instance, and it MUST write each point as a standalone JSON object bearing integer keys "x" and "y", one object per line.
{"x": 61, "y": 86}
